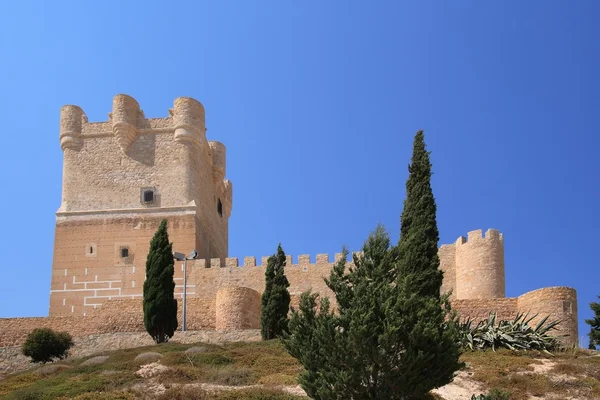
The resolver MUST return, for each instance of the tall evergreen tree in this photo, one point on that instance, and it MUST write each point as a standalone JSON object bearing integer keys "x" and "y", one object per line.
{"x": 419, "y": 235}
{"x": 160, "y": 305}
{"x": 275, "y": 300}
{"x": 384, "y": 342}
{"x": 594, "y": 324}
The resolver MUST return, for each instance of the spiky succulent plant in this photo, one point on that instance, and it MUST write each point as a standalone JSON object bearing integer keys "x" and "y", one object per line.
{"x": 517, "y": 334}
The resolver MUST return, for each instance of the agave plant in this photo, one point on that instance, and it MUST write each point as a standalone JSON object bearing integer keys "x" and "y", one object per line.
{"x": 514, "y": 335}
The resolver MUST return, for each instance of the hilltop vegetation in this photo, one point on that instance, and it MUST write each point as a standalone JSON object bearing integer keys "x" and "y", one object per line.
{"x": 265, "y": 371}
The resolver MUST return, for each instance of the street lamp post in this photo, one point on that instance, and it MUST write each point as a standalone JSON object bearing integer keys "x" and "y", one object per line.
{"x": 181, "y": 257}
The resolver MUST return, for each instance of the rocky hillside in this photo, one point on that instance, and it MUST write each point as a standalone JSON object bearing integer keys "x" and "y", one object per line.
{"x": 263, "y": 370}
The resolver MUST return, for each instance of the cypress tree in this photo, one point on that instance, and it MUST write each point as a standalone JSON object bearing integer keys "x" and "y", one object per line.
{"x": 594, "y": 324}
{"x": 419, "y": 233}
{"x": 393, "y": 336}
{"x": 275, "y": 300}
{"x": 384, "y": 342}
{"x": 160, "y": 305}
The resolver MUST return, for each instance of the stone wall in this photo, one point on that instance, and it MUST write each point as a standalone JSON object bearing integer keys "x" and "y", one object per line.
{"x": 479, "y": 309}
{"x": 88, "y": 267}
{"x": 238, "y": 308}
{"x": 303, "y": 275}
{"x": 113, "y": 316}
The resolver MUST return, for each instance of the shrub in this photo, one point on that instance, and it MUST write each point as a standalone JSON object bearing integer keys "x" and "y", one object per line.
{"x": 494, "y": 394}
{"x": 44, "y": 345}
{"x": 513, "y": 335}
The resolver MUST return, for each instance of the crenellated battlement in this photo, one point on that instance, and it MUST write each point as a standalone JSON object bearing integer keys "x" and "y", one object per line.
{"x": 126, "y": 122}
{"x": 321, "y": 259}
{"x": 477, "y": 236}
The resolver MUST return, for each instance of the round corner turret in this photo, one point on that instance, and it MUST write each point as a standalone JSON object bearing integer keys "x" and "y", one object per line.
{"x": 188, "y": 120}
{"x": 72, "y": 119}
{"x": 218, "y": 152}
{"x": 560, "y": 303}
{"x": 125, "y": 113}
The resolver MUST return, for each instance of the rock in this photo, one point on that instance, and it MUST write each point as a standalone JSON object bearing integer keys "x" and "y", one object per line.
{"x": 94, "y": 360}
{"x": 52, "y": 369}
{"x": 150, "y": 370}
{"x": 148, "y": 357}
{"x": 196, "y": 350}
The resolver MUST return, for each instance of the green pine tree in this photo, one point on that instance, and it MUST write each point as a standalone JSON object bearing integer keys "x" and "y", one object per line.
{"x": 393, "y": 336}
{"x": 594, "y": 324}
{"x": 384, "y": 342}
{"x": 419, "y": 235}
{"x": 275, "y": 300}
{"x": 160, "y": 305}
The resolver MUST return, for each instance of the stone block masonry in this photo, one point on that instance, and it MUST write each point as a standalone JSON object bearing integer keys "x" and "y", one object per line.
{"x": 121, "y": 177}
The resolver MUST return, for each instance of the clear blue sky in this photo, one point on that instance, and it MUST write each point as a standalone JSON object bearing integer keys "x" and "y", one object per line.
{"x": 317, "y": 103}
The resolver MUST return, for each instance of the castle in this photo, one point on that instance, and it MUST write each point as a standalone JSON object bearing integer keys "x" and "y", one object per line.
{"x": 123, "y": 176}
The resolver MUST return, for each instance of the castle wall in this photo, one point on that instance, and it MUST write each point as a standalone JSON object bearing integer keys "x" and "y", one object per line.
{"x": 302, "y": 276}
{"x": 479, "y": 309}
{"x": 447, "y": 255}
{"x": 113, "y": 316}
{"x": 480, "y": 266}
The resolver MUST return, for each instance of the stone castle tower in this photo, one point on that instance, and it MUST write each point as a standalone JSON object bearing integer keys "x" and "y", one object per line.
{"x": 120, "y": 179}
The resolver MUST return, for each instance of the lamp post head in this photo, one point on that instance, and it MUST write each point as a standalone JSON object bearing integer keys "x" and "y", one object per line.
{"x": 179, "y": 256}
{"x": 193, "y": 255}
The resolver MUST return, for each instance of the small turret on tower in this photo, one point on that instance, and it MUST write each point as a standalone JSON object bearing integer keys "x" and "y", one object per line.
{"x": 124, "y": 116}
{"x": 188, "y": 121}
{"x": 218, "y": 161}
{"x": 72, "y": 119}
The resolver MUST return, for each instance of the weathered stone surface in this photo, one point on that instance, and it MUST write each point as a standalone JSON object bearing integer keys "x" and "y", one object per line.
{"x": 196, "y": 350}
{"x": 51, "y": 369}
{"x": 94, "y": 360}
{"x": 148, "y": 357}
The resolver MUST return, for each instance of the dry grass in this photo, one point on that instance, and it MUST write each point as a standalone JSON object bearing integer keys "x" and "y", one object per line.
{"x": 267, "y": 364}
{"x": 573, "y": 373}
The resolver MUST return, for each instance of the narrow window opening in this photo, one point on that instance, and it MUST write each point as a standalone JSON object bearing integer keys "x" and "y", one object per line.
{"x": 124, "y": 252}
{"x": 91, "y": 250}
{"x": 148, "y": 196}
{"x": 220, "y": 208}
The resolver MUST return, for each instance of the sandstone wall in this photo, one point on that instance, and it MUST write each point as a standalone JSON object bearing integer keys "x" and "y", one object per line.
{"x": 447, "y": 255}
{"x": 479, "y": 309}
{"x": 88, "y": 269}
{"x": 303, "y": 275}
{"x": 113, "y": 316}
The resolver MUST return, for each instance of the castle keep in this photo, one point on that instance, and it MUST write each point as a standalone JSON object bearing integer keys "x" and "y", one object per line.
{"x": 123, "y": 176}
